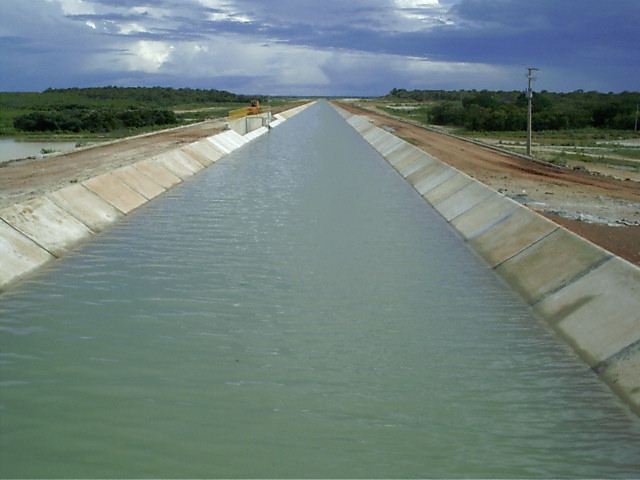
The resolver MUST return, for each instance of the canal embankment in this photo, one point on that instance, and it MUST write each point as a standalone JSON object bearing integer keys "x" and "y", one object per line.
{"x": 588, "y": 295}
{"x": 39, "y": 230}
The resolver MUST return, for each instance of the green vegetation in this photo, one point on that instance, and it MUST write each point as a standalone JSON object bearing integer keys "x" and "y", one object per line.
{"x": 111, "y": 111}
{"x": 505, "y": 111}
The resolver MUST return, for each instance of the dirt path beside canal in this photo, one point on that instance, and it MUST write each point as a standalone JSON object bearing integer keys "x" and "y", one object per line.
{"x": 25, "y": 179}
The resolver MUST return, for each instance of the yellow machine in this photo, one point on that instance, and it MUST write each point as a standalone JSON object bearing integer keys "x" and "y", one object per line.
{"x": 243, "y": 112}
{"x": 254, "y": 108}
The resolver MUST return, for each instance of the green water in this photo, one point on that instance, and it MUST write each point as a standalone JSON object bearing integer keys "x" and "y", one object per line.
{"x": 294, "y": 311}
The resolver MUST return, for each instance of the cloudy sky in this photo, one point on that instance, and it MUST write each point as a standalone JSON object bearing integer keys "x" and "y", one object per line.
{"x": 320, "y": 47}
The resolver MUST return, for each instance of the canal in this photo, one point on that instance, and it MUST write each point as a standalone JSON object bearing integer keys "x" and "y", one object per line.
{"x": 296, "y": 310}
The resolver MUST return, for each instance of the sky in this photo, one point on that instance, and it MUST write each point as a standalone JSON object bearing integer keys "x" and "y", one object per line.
{"x": 320, "y": 47}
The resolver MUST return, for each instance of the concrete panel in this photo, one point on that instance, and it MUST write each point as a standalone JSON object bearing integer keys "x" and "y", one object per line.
{"x": 598, "y": 312}
{"x": 399, "y": 154}
{"x": 391, "y": 146}
{"x": 176, "y": 165}
{"x": 277, "y": 121}
{"x": 462, "y": 200}
{"x": 343, "y": 113}
{"x": 484, "y": 215}
{"x": 46, "y": 224}
{"x": 537, "y": 271}
{"x": 158, "y": 172}
{"x": 112, "y": 189}
{"x": 622, "y": 373}
{"x": 18, "y": 255}
{"x": 375, "y": 135}
{"x": 186, "y": 160}
{"x": 203, "y": 152}
{"x": 362, "y": 125}
{"x": 137, "y": 180}
{"x": 220, "y": 144}
{"x": 417, "y": 165}
{"x": 386, "y": 142}
{"x": 86, "y": 206}
{"x": 419, "y": 174}
{"x": 400, "y": 163}
{"x": 229, "y": 140}
{"x": 438, "y": 174}
{"x": 512, "y": 235}
{"x": 256, "y": 133}
{"x": 358, "y": 123}
{"x": 447, "y": 188}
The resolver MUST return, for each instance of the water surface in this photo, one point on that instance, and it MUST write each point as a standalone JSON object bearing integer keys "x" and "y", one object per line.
{"x": 11, "y": 149}
{"x": 294, "y": 311}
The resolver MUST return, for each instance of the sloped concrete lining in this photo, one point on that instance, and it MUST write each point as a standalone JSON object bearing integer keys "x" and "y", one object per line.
{"x": 158, "y": 172}
{"x": 35, "y": 232}
{"x": 176, "y": 164}
{"x": 256, "y": 133}
{"x": 228, "y": 141}
{"x": 510, "y": 235}
{"x": 590, "y": 297}
{"x": 484, "y": 215}
{"x": 434, "y": 176}
{"x": 446, "y": 189}
{"x": 535, "y": 273}
{"x": 19, "y": 255}
{"x": 598, "y": 310}
{"x": 112, "y": 189}
{"x": 203, "y": 152}
{"x": 461, "y": 200}
{"x": 403, "y": 155}
{"x": 412, "y": 165}
{"x": 86, "y": 206}
{"x": 140, "y": 182}
{"x": 46, "y": 224}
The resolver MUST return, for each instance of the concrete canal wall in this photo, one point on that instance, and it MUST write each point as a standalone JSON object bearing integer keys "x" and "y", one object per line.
{"x": 588, "y": 295}
{"x": 40, "y": 230}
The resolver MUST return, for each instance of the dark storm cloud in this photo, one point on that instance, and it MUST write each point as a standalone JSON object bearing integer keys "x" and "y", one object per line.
{"x": 337, "y": 44}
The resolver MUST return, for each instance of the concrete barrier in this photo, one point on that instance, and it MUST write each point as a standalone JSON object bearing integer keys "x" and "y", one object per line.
{"x": 35, "y": 232}
{"x": 590, "y": 297}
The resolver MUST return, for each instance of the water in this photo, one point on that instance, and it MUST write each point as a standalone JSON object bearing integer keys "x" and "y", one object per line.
{"x": 294, "y": 311}
{"x": 12, "y": 149}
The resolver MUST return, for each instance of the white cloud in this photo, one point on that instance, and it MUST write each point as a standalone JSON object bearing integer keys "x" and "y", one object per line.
{"x": 129, "y": 28}
{"x": 148, "y": 56}
{"x": 416, "y": 15}
{"x": 75, "y": 7}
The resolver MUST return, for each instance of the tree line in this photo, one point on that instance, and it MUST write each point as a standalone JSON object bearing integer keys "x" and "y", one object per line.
{"x": 507, "y": 111}
{"x": 106, "y": 109}
{"x": 79, "y": 119}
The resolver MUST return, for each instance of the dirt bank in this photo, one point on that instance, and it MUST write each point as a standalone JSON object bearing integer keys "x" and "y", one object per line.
{"x": 29, "y": 178}
{"x": 600, "y": 208}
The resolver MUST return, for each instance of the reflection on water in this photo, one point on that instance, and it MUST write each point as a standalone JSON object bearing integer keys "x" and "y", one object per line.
{"x": 294, "y": 311}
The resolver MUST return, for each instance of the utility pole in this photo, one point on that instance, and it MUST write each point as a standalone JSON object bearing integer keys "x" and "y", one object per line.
{"x": 529, "y": 97}
{"x": 636, "y": 127}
